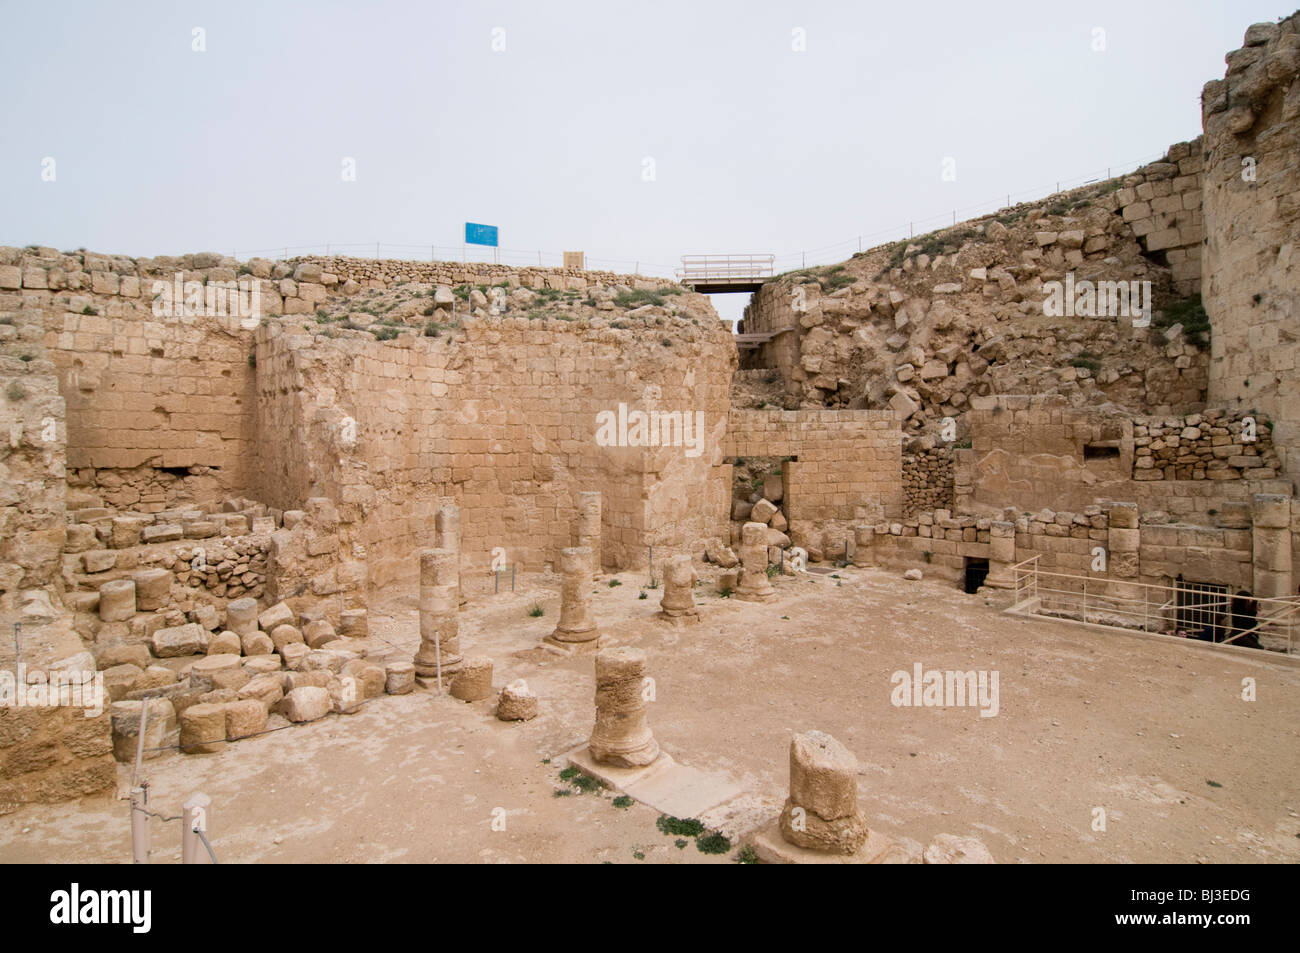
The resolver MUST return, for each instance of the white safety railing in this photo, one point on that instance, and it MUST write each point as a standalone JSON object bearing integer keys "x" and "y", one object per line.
{"x": 725, "y": 267}
{"x": 1188, "y": 609}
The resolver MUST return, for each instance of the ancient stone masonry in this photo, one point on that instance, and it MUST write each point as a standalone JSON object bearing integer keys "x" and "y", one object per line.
{"x": 439, "y": 653}
{"x": 350, "y": 275}
{"x": 1161, "y": 203}
{"x": 621, "y": 737}
{"x": 1209, "y": 446}
{"x": 927, "y": 477}
{"x": 926, "y": 326}
{"x": 678, "y": 602}
{"x": 821, "y": 812}
{"x": 1252, "y": 216}
{"x": 576, "y": 630}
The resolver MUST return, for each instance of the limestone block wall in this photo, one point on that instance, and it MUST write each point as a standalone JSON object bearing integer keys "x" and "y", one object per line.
{"x": 1225, "y": 552}
{"x": 1214, "y": 445}
{"x": 847, "y": 464}
{"x": 142, "y": 391}
{"x": 1033, "y": 452}
{"x": 384, "y": 273}
{"x": 32, "y": 458}
{"x": 500, "y": 417}
{"x": 1161, "y": 202}
{"x": 928, "y": 480}
{"x": 1252, "y": 221}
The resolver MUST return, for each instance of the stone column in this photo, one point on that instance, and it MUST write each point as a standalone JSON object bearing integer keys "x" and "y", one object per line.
{"x": 863, "y": 537}
{"x": 1002, "y": 555}
{"x": 576, "y": 630}
{"x": 678, "y": 602}
{"x": 589, "y": 527}
{"x": 621, "y": 736}
{"x": 1271, "y": 537}
{"x": 821, "y": 812}
{"x": 439, "y": 570}
{"x": 446, "y": 523}
{"x": 754, "y": 585}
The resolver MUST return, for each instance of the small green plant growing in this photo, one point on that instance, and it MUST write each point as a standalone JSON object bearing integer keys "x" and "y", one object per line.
{"x": 639, "y": 855}
{"x": 1214, "y": 784}
{"x": 562, "y": 792}
{"x": 615, "y": 582}
{"x": 682, "y": 842}
{"x": 622, "y": 801}
{"x": 714, "y": 842}
{"x": 725, "y": 592}
{"x": 927, "y": 555}
{"x": 746, "y": 855}
{"x": 679, "y": 827}
{"x": 666, "y": 342}
{"x": 772, "y": 571}
{"x": 432, "y": 330}
{"x": 643, "y": 595}
{"x": 653, "y": 584}
{"x": 88, "y": 310}
{"x": 536, "y": 611}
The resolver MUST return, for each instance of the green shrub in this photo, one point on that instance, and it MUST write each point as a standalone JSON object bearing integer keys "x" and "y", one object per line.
{"x": 536, "y": 611}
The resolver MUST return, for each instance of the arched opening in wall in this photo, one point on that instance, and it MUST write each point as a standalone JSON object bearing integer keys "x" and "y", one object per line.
{"x": 974, "y": 572}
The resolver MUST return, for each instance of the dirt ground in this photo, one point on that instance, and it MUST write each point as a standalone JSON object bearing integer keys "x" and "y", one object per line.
{"x": 1153, "y": 732}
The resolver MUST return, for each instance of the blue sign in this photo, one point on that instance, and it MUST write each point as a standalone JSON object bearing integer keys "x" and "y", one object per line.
{"x": 480, "y": 234}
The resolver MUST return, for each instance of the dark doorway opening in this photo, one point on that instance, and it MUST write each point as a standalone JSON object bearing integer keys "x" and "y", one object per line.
{"x": 977, "y": 571}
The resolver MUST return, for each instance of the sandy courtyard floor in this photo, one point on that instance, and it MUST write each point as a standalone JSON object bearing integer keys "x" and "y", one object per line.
{"x": 1088, "y": 719}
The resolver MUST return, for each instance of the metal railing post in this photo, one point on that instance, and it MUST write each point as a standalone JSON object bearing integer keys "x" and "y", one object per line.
{"x": 196, "y": 816}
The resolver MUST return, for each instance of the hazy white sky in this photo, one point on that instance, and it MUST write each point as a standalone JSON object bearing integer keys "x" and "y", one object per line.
{"x": 539, "y": 117}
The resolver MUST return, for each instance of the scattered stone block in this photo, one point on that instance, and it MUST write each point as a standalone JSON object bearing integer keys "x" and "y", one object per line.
{"x": 117, "y": 600}
{"x": 152, "y": 588}
{"x": 307, "y": 703}
{"x": 474, "y": 680}
{"x": 177, "y": 641}
{"x": 517, "y": 702}
{"x": 160, "y": 727}
{"x": 225, "y": 643}
{"x": 399, "y": 678}
{"x": 203, "y": 728}
{"x": 278, "y": 614}
{"x": 244, "y": 718}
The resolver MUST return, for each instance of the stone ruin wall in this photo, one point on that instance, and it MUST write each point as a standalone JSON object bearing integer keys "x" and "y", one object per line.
{"x": 1252, "y": 295}
{"x": 502, "y": 418}
{"x": 927, "y": 325}
{"x": 1142, "y": 547}
{"x": 846, "y": 469}
{"x": 1036, "y": 452}
{"x": 386, "y": 272}
{"x": 928, "y": 479}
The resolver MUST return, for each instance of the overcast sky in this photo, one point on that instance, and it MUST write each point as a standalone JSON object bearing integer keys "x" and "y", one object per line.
{"x": 636, "y": 132}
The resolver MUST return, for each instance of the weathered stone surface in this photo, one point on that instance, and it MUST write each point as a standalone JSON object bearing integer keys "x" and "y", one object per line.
{"x": 306, "y": 704}
{"x": 160, "y": 728}
{"x": 277, "y": 615}
{"x": 399, "y": 678}
{"x": 621, "y": 735}
{"x": 225, "y": 643}
{"x": 175, "y": 641}
{"x": 245, "y": 718}
{"x": 117, "y": 600}
{"x": 517, "y": 702}
{"x": 203, "y": 728}
{"x": 474, "y": 681}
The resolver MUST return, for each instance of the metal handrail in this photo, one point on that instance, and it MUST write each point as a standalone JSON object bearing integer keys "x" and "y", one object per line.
{"x": 1060, "y": 593}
